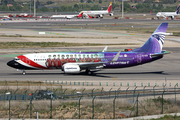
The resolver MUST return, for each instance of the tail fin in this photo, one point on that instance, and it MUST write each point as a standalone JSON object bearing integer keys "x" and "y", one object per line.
{"x": 80, "y": 15}
{"x": 177, "y": 10}
{"x": 109, "y": 8}
{"x": 155, "y": 43}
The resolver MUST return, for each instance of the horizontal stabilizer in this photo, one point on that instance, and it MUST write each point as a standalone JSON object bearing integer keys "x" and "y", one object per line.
{"x": 160, "y": 54}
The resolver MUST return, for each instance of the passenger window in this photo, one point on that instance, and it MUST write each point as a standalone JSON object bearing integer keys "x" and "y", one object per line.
{"x": 62, "y": 56}
{"x": 67, "y": 56}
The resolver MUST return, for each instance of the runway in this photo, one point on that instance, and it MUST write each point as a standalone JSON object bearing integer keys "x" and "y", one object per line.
{"x": 166, "y": 67}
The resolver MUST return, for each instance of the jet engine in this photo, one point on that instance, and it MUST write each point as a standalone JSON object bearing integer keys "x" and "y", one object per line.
{"x": 172, "y": 17}
{"x": 101, "y": 16}
{"x": 71, "y": 68}
{"x": 111, "y": 14}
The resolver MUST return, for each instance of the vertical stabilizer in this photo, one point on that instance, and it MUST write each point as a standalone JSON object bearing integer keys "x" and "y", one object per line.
{"x": 80, "y": 15}
{"x": 155, "y": 43}
{"x": 177, "y": 10}
{"x": 110, "y": 7}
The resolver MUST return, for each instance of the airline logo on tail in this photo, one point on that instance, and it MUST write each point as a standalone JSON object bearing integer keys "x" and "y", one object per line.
{"x": 177, "y": 11}
{"x": 109, "y": 8}
{"x": 80, "y": 15}
{"x": 160, "y": 37}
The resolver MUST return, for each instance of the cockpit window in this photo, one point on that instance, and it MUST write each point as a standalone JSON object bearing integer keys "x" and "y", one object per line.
{"x": 16, "y": 59}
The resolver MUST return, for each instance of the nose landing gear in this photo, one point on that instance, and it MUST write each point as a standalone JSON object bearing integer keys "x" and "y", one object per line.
{"x": 24, "y": 72}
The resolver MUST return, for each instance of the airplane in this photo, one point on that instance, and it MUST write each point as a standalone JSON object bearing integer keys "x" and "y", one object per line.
{"x": 67, "y": 16}
{"x": 97, "y": 14}
{"x": 76, "y": 62}
{"x": 168, "y": 14}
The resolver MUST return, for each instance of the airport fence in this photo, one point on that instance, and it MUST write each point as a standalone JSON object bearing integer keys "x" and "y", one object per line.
{"x": 114, "y": 106}
{"x": 120, "y": 84}
{"x": 86, "y": 103}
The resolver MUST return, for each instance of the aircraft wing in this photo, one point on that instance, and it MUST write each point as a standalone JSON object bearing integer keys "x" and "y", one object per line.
{"x": 94, "y": 65}
{"x": 91, "y": 65}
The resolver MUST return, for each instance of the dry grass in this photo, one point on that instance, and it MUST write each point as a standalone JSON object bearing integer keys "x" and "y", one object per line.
{"x": 10, "y": 45}
{"x": 69, "y": 109}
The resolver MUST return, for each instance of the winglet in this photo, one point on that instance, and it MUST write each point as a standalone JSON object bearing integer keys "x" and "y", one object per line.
{"x": 116, "y": 57}
{"x": 105, "y": 49}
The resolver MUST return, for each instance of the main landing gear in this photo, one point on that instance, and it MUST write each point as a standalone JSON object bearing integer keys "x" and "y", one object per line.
{"x": 88, "y": 72}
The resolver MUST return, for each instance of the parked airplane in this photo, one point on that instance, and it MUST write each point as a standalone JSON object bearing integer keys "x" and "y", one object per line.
{"x": 99, "y": 13}
{"x": 67, "y": 16}
{"x": 75, "y": 62}
{"x": 168, "y": 14}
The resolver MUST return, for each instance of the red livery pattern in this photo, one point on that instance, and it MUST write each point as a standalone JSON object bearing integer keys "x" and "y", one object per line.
{"x": 30, "y": 62}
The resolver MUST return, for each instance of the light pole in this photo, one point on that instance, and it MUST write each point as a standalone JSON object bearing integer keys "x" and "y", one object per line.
{"x": 34, "y": 8}
{"x": 30, "y": 7}
{"x": 122, "y": 9}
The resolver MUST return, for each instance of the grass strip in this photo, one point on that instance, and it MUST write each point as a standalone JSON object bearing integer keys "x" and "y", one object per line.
{"x": 18, "y": 35}
{"x": 10, "y": 45}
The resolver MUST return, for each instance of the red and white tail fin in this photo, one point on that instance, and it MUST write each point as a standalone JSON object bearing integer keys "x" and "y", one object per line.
{"x": 110, "y": 7}
{"x": 80, "y": 15}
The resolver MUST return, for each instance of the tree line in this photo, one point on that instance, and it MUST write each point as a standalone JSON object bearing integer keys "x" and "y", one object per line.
{"x": 139, "y": 8}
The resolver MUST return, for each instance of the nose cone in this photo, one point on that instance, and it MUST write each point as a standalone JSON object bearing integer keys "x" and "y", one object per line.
{"x": 10, "y": 63}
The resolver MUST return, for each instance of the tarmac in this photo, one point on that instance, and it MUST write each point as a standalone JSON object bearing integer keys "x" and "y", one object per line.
{"x": 155, "y": 72}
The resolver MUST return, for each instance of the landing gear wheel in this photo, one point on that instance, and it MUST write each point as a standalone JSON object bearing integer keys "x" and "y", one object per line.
{"x": 23, "y": 72}
{"x": 88, "y": 72}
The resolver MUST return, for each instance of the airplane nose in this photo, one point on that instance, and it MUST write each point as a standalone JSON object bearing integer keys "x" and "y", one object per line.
{"x": 10, "y": 63}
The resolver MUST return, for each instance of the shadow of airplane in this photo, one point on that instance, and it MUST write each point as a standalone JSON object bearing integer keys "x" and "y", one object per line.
{"x": 94, "y": 74}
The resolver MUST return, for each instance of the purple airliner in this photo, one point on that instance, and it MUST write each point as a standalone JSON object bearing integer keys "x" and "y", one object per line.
{"x": 75, "y": 62}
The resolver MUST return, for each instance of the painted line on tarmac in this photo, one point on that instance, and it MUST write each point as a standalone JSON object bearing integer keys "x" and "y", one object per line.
{"x": 101, "y": 32}
{"x": 53, "y": 33}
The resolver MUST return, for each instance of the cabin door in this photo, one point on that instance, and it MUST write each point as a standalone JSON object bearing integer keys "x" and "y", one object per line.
{"x": 28, "y": 61}
{"x": 139, "y": 58}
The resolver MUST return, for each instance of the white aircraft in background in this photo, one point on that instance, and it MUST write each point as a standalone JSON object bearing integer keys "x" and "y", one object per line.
{"x": 97, "y": 14}
{"x": 168, "y": 14}
{"x": 67, "y": 16}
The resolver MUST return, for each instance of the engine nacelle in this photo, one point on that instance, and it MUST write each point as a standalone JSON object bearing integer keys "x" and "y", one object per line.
{"x": 70, "y": 68}
{"x": 172, "y": 17}
{"x": 111, "y": 14}
{"x": 101, "y": 16}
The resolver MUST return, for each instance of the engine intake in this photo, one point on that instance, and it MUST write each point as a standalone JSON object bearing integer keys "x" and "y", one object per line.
{"x": 111, "y": 14}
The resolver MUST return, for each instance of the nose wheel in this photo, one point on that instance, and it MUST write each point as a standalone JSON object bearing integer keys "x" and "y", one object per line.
{"x": 24, "y": 72}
